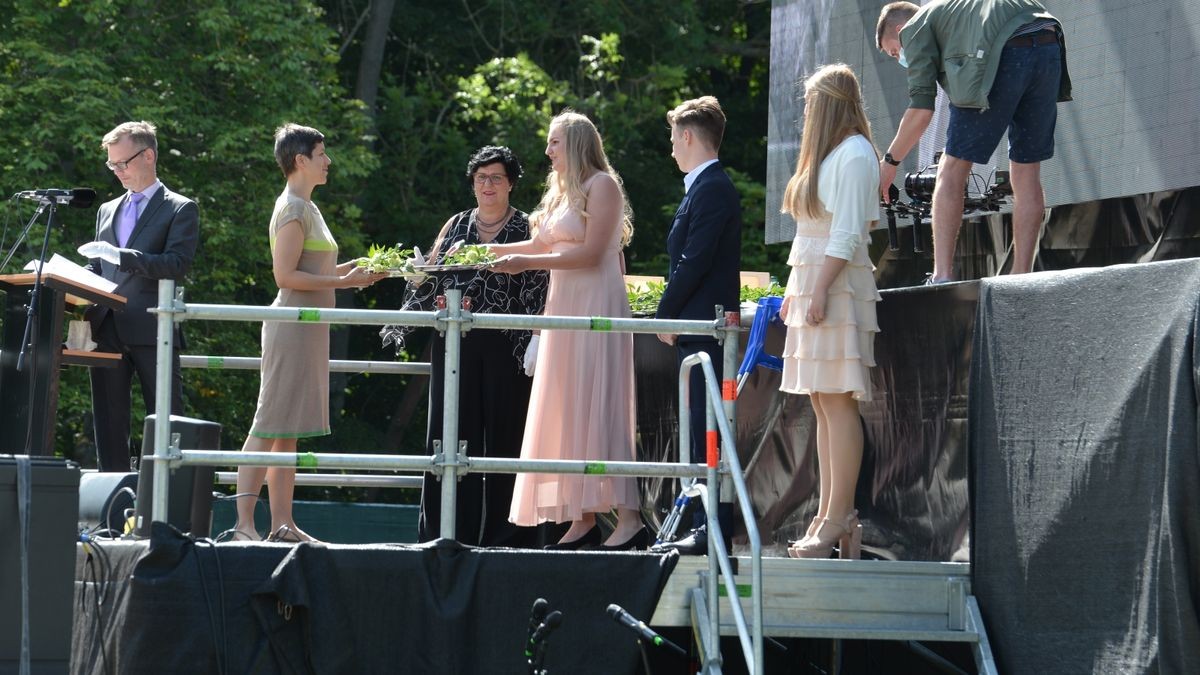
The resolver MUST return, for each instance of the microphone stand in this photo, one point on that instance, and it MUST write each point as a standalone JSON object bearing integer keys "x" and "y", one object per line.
{"x": 538, "y": 660}
{"x": 24, "y": 233}
{"x": 645, "y": 657}
{"x": 37, "y": 281}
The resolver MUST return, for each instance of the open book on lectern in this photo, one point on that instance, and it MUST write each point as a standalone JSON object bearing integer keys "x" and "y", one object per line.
{"x": 60, "y": 266}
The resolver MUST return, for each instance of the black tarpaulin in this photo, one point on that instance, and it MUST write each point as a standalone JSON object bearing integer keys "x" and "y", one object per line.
{"x": 178, "y": 606}
{"x": 173, "y": 607}
{"x": 446, "y": 608}
{"x": 1086, "y": 476}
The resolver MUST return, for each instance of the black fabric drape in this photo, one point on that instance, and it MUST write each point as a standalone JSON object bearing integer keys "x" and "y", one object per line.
{"x": 172, "y": 607}
{"x": 443, "y": 608}
{"x": 1086, "y": 475}
{"x": 177, "y": 606}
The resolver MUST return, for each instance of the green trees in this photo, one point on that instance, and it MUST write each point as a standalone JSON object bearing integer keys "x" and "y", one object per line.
{"x": 217, "y": 76}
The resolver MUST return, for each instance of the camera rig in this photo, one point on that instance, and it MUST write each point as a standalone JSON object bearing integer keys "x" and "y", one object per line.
{"x": 919, "y": 187}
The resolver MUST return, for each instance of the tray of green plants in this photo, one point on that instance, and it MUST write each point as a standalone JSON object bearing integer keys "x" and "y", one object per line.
{"x": 469, "y": 257}
{"x": 394, "y": 260}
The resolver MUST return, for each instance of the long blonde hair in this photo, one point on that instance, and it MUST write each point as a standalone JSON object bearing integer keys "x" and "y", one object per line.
{"x": 833, "y": 108}
{"x": 583, "y": 152}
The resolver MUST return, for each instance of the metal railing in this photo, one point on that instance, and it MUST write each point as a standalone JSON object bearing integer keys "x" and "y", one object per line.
{"x": 751, "y": 638}
{"x": 338, "y": 480}
{"x": 453, "y": 321}
{"x": 335, "y": 365}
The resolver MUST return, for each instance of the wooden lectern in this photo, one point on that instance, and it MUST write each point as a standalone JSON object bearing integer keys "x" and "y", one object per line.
{"x": 30, "y": 396}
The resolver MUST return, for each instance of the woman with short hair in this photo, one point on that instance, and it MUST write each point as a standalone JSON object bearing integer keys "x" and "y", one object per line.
{"x": 293, "y": 397}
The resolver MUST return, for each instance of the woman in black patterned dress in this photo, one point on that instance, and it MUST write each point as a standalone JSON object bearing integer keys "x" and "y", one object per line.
{"x": 496, "y": 365}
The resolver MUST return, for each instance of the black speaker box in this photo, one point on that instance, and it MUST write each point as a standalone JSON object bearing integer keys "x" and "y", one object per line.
{"x": 54, "y": 495}
{"x": 189, "y": 499}
{"x": 103, "y": 498}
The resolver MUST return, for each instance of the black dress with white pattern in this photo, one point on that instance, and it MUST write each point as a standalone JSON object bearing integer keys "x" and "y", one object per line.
{"x": 493, "y": 387}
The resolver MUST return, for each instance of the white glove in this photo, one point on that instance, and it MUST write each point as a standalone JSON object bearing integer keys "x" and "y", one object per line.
{"x": 416, "y": 278}
{"x": 531, "y": 355}
{"x": 102, "y": 250}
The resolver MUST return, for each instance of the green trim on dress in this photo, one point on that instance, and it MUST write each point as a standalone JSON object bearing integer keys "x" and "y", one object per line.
{"x": 302, "y": 434}
{"x": 312, "y": 245}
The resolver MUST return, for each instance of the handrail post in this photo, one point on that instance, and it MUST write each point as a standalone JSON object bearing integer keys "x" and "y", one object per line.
{"x": 715, "y": 536}
{"x": 685, "y": 421}
{"x": 450, "y": 413}
{"x": 732, "y": 330}
{"x": 729, "y": 343}
{"x": 731, "y": 468}
{"x": 162, "y": 398}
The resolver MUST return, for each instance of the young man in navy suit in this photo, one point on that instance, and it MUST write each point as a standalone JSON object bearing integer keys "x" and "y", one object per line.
{"x": 705, "y": 248}
{"x": 148, "y": 233}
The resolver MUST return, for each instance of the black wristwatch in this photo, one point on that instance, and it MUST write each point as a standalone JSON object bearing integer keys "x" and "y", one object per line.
{"x": 887, "y": 157}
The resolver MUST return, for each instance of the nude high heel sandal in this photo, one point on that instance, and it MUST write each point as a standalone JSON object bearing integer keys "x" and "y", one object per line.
{"x": 850, "y": 544}
{"x": 847, "y": 534}
{"x": 808, "y": 533}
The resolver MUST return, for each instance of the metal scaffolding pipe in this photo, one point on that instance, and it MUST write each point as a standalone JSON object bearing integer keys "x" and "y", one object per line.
{"x": 574, "y": 466}
{"x": 338, "y": 480}
{"x": 335, "y": 365}
{"x": 375, "y": 317}
{"x": 162, "y": 402}
{"x": 210, "y": 312}
{"x": 593, "y": 323}
{"x": 449, "y": 443}
{"x": 369, "y": 462}
{"x": 303, "y": 460}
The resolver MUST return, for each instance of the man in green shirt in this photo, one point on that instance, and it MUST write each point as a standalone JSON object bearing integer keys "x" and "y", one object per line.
{"x": 1002, "y": 64}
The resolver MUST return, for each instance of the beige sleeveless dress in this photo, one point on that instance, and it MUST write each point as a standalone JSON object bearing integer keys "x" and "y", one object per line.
{"x": 293, "y": 398}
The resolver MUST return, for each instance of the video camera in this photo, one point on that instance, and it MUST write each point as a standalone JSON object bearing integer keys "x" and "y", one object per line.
{"x": 919, "y": 187}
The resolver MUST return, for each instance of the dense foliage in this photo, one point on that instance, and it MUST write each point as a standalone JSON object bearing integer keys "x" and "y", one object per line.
{"x": 217, "y": 76}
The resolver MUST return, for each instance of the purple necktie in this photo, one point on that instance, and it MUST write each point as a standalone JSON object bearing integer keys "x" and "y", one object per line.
{"x": 128, "y": 218}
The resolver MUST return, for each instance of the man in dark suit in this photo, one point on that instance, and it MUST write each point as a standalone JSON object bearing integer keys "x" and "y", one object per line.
{"x": 704, "y": 245}
{"x": 148, "y": 233}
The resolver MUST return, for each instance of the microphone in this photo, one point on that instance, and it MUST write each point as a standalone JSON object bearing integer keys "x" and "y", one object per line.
{"x": 543, "y": 629}
{"x": 535, "y": 649}
{"x": 536, "y": 614}
{"x": 79, "y": 198}
{"x": 643, "y": 631}
{"x": 553, "y": 619}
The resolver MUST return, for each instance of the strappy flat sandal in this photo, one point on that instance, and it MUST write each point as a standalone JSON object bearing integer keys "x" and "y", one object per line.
{"x": 288, "y": 535}
{"x": 233, "y": 534}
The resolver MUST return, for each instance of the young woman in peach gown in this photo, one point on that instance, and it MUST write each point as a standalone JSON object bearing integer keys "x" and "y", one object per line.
{"x": 582, "y": 405}
{"x": 829, "y": 304}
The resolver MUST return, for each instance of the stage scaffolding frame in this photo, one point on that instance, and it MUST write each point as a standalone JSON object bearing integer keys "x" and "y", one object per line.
{"x": 722, "y": 470}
